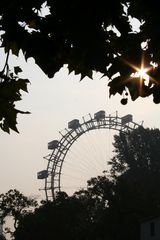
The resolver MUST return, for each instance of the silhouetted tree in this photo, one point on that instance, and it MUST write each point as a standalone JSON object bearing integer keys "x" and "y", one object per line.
{"x": 14, "y": 204}
{"x": 103, "y": 40}
{"x": 113, "y": 205}
{"x": 98, "y": 199}
{"x": 66, "y": 218}
{"x": 135, "y": 167}
{"x": 138, "y": 149}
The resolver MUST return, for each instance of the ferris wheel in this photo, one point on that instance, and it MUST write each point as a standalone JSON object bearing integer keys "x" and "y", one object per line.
{"x": 61, "y": 149}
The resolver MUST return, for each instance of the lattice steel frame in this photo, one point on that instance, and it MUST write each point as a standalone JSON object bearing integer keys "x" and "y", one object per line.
{"x": 68, "y": 137}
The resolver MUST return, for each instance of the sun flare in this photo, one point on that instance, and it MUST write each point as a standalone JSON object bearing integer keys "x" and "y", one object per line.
{"x": 142, "y": 72}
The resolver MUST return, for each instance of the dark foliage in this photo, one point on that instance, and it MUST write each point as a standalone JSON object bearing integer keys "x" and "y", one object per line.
{"x": 136, "y": 150}
{"x": 14, "y": 204}
{"x": 113, "y": 206}
{"x": 86, "y": 36}
{"x": 66, "y": 218}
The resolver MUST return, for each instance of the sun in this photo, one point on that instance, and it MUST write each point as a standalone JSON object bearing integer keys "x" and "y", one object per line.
{"x": 142, "y": 73}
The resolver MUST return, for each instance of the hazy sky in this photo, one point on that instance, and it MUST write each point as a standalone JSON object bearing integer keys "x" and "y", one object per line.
{"x": 53, "y": 103}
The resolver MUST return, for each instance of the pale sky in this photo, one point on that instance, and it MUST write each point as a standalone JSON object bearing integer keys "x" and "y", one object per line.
{"x": 53, "y": 103}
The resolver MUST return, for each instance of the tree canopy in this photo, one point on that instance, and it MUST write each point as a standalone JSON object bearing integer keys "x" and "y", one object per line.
{"x": 86, "y": 36}
{"x": 113, "y": 205}
{"x": 15, "y": 205}
{"x": 136, "y": 150}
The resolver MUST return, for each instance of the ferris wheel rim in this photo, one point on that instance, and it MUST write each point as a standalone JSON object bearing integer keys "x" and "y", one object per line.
{"x": 57, "y": 157}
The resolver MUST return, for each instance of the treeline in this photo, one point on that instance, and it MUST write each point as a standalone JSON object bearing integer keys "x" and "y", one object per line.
{"x": 113, "y": 205}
